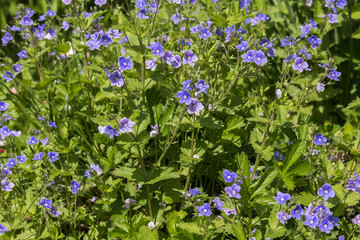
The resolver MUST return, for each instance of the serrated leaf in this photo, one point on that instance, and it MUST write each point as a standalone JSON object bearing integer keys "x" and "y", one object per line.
{"x": 190, "y": 227}
{"x": 293, "y": 154}
{"x": 163, "y": 173}
{"x": 130, "y": 173}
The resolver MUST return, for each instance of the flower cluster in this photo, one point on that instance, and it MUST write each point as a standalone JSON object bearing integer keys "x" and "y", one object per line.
{"x": 47, "y": 203}
{"x": 125, "y": 125}
{"x": 354, "y": 184}
{"x": 194, "y": 105}
{"x": 93, "y": 168}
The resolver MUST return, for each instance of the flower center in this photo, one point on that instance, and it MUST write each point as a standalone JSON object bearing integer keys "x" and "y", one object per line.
{"x": 124, "y": 64}
{"x": 233, "y": 192}
{"x": 311, "y": 222}
{"x": 205, "y": 210}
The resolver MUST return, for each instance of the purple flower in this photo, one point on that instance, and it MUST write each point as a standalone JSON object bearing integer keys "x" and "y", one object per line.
{"x": 314, "y": 41}
{"x": 168, "y": 57}
{"x": 4, "y": 131}
{"x": 320, "y": 87}
{"x": 218, "y": 203}
{"x": 233, "y": 191}
{"x": 126, "y": 125}
{"x": 116, "y": 79}
{"x": 300, "y": 64}
{"x": 229, "y": 211}
{"x": 66, "y": 2}
{"x": 177, "y": 18}
{"x": 297, "y": 212}
{"x": 32, "y": 140}
{"x": 190, "y": 58}
{"x": 326, "y": 226}
{"x": 194, "y": 191}
{"x": 332, "y": 18}
{"x": 53, "y": 156}
{"x": 6, "y": 186}
{"x": 320, "y": 139}
{"x": 151, "y": 64}
{"x": 140, "y": 4}
{"x": 184, "y": 97}
{"x": 342, "y": 237}
{"x": 53, "y": 211}
{"x": 26, "y": 21}
{"x": 326, "y": 191}
{"x": 177, "y": 62}
{"x": 259, "y": 58}
{"x": 108, "y": 130}
{"x": 12, "y": 162}
{"x": 242, "y": 46}
{"x": 278, "y": 93}
{"x": 8, "y": 76}
{"x": 155, "y": 130}
{"x": 44, "y": 142}
{"x": 329, "y": 3}
{"x": 96, "y": 168}
{"x": 50, "y": 13}
{"x": 356, "y": 220}
{"x": 75, "y": 186}
{"x": 52, "y": 124}
{"x": 21, "y": 158}
{"x": 3, "y": 229}
{"x": 17, "y": 68}
{"x": 334, "y": 75}
{"x": 46, "y": 203}
{"x": 105, "y": 39}
{"x": 38, "y": 156}
{"x": 125, "y": 63}
{"x": 187, "y": 85}
{"x": 204, "y": 210}
{"x": 205, "y": 34}
{"x": 282, "y": 216}
{"x": 341, "y": 4}
{"x": 311, "y": 220}
{"x": 7, "y": 38}
{"x": 22, "y": 54}
{"x": 87, "y": 174}
{"x": 195, "y": 106}
{"x": 306, "y": 55}
{"x": 3, "y": 106}
{"x": 282, "y": 198}
{"x": 100, "y": 2}
{"x": 201, "y": 86}
{"x": 156, "y": 48}
{"x": 229, "y": 176}
{"x": 195, "y": 29}
{"x": 248, "y": 56}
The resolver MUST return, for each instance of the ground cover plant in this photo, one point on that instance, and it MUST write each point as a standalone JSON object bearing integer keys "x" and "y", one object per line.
{"x": 171, "y": 119}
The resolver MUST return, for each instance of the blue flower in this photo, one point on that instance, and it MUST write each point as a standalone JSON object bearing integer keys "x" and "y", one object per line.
{"x": 108, "y": 130}
{"x": 100, "y": 2}
{"x": 204, "y": 210}
{"x": 233, "y": 191}
{"x": 151, "y": 64}
{"x": 22, "y": 54}
{"x": 52, "y": 124}
{"x": 259, "y": 58}
{"x": 248, "y": 56}
{"x": 125, "y": 63}
{"x": 205, "y": 34}
{"x": 341, "y": 4}
{"x": 334, "y": 75}
{"x": 65, "y": 25}
{"x": 38, "y": 156}
{"x": 3, "y": 106}
{"x": 300, "y": 65}
{"x": 12, "y": 162}
{"x": 75, "y": 186}
{"x": 87, "y": 174}
{"x": 53, "y": 156}
{"x": 126, "y": 125}
{"x": 26, "y": 21}
{"x": 297, "y": 212}
{"x": 229, "y": 176}
{"x": 17, "y": 68}
{"x": 116, "y": 79}
{"x": 326, "y": 226}
{"x": 7, "y": 38}
{"x": 4, "y": 131}
{"x": 105, "y": 39}
{"x": 140, "y": 4}
{"x": 218, "y": 203}
{"x": 356, "y": 220}
{"x": 332, "y": 17}
{"x": 50, "y": 13}
{"x": 184, "y": 97}
{"x": 8, "y": 76}
{"x": 46, "y": 203}
{"x": 96, "y": 168}
{"x": 53, "y": 211}
{"x": 194, "y": 191}
{"x": 282, "y": 216}
{"x": 320, "y": 139}
{"x": 66, "y": 2}
{"x": 311, "y": 220}
{"x": 190, "y": 58}
{"x": 21, "y": 158}
{"x": 3, "y": 229}
{"x": 32, "y": 140}
{"x": 195, "y": 106}
{"x": 195, "y": 29}
{"x": 168, "y": 57}
{"x": 44, "y": 142}
{"x": 314, "y": 41}
{"x": 201, "y": 86}
{"x": 326, "y": 191}
{"x": 6, "y": 186}
{"x": 156, "y": 48}
{"x": 177, "y": 62}
{"x": 242, "y": 46}
{"x": 282, "y": 197}
{"x": 187, "y": 85}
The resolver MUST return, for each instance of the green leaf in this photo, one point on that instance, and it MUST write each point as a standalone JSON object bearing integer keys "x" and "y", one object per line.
{"x": 130, "y": 173}
{"x": 282, "y": 113}
{"x": 244, "y": 165}
{"x": 258, "y": 119}
{"x": 266, "y": 179}
{"x": 356, "y": 102}
{"x": 352, "y": 199}
{"x": 305, "y": 198}
{"x": 210, "y": 123}
{"x": 63, "y": 48}
{"x": 355, "y": 12}
{"x": 293, "y": 154}
{"x": 239, "y": 232}
{"x": 163, "y": 173}
{"x": 190, "y": 227}
{"x": 234, "y": 123}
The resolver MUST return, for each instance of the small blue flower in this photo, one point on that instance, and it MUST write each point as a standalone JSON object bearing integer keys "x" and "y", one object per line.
{"x": 12, "y": 162}
{"x": 314, "y": 41}
{"x": 151, "y": 64}
{"x": 190, "y": 58}
{"x": 22, "y": 54}
{"x": 116, "y": 79}
{"x": 259, "y": 58}
{"x": 52, "y": 124}
{"x": 26, "y": 21}
{"x": 6, "y": 186}
{"x": 17, "y": 68}
{"x": 156, "y": 48}
{"x": 3, "y": 106}
{"x": 194, "y": 191}
{"x": 96, "y": 168}
{"x": 233, "y": 191}
{"x": 229, "y": 176}
{"x": 341, "y": 4}
{"x": 38, "y": 156}
{"x": 100, "y": 2}
{"x": 168, "y": 57}
{"x": 3, "y": 229}
{"x": 126, "y": 125}
{"x": 300, "y": 65}
{"x": 326, "y": 226}
{"x": 53, "y": 211}
{"x": 195, "y": 106}
{"x": 248, "y": 56}
{"x": 201, "y": 86}
{"x": 242, "y": 46}
{"x": 21, "y": 158}
{"x": 125, "y": 63}
{"x": 8, "y": 76}
{"x": 177, "y": 62}
{"x": 334, "y": 75}
{"x": 87, "y": 174}
{"x": 326, "y": 191}
{"x": 205, "y": 34}
{"x": 6, "y": 39}
{"x": 32, "y": 140}
{"x": 44, "y": 142}
{"x": 218, "y": 203}
{"x": 46, "y": 203}
{"x": 75, "y": 186}
{"x": 108, "y": 130}
{"x": 184, "y": 97}
{"x": 320, "y": 139}
{"x": 187, "y": 85}
{"x": 311, "y": 220}
{"x": 53, "y": 156}
{"x": 282, "y": 216}
{"x": 50, "y": 13}
{"x": 282, "y": 197}
{"x": 297, "y": 212}
{"x": 204, "y": 210}
{"x": 195, "y": 29}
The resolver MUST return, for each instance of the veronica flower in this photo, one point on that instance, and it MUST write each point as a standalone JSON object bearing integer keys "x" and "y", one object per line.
{"x": 105, "y": 39}
{"x": 195, "y": 29}
{"x": 195, "y": 106}
{"x": 326, "y": 191}
{"x": 320, "y": 87}
{"x": 17, "y": 68}
{"x": 184, "y": 97}
{"x": 168, "y": 57}
{"x": 201, "y": 86}
{"x": 242, "y": 46}
{"x": 205, "y": 34}
{"x": 100, "y": 2}
{"x": 229, "y": 176}
{"x": 297, "y": 212}
{"x": 21, "y": 158}
{"x": 26, "y": 21}
{"x": 190, "y": 58}
{"x": 278, "y": 93}
{"x": 259, "y": 58}
{"x": 233, "y": 191}
{"x": 300, "y": 65}
{"x": 334, "y": 75}
{"x": 218, "y": 203}
{"x": 3, "y": 229}
{"x": 108, "y": 130}
{"x": 326, "y": 226}
{"x": 52, "y": 124}
{"x": 311, "y": 220}
{"x": 87, "y": 174}
{"x": 341, "y": 4}
{"x": 50, "y": 13}
{"x": 282, "y": 216}
{"x": 125, "y": 63}
{"x": 356, "y": 220}
{"x": 151, "y": 64}
{"x": 204, "y": 210}
{"x": 96, "y": 168}
{"x": 3, "y": 106}
{"x": 22, "y": 54}
{"x": 8, "y": 76}
{"x": 126, "y": 125}
{"x": 75, "y": 186}
{"x": 44, "y": 142}
{"x": 38, "y": 156}
{"x": 142, "y": 14}
{"x": 6, "y": 186}
{"x": 53, "y": 211}
{"x": 7, "y": 38}
{"x": 53, "y": 156}
{"x": 4, "y": 131}
{"x": 194, "y": 191}
{"x": 12, "y": 162}
{"x": 332, "y": 17}
{"x": 187, "y": 85}
{"x": 155, "y": 130}
{"x": 116, "y": 79}
{"x": 177, "y": 62}
{"x": 314, "y": 41}
{"x": 66, "y": 2}
{"x": 282, "y": 197}
{"x": 32, "y": 140}
{"x": 320, "y": 139}
{"x": 46, "y": 203}
{"x": 140, "y": 4}
{"x": 229, "y": 211}
{"x": 156, "y": 48}
{"x": 248, "y": 56}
